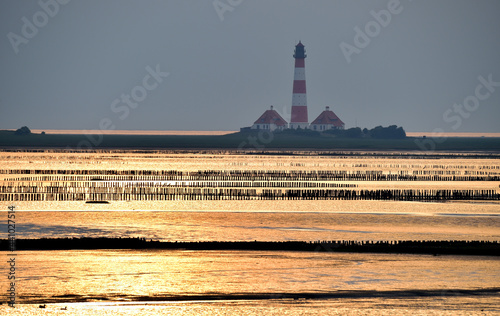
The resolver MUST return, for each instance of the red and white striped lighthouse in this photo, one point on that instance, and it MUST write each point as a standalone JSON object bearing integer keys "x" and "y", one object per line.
{"x": 299, "y": 98}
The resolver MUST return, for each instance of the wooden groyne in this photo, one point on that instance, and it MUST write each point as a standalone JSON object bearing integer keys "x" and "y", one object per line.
{"x": 255, "y": 152}
{"x": 486, "y": 248}
{"x": 117, "y": 192}
{"x": 167, "y": 185}
{"x": 54, "y": 187}
{"x": 246, "y": 175}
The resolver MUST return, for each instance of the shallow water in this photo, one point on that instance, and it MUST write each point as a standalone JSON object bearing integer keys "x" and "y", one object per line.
{"x": 180, "y": 278}
{"x": 125, "y": 282}
{"x": 249, "y": 226}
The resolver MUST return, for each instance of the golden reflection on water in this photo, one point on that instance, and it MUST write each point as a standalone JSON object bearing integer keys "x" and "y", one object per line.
{"x": 448, "y": 306}
{"x": 61, "y": 277}
{"x": 249, "y": 226}
{"x": 124, "y": 275}
{"x": 132, "y": 274}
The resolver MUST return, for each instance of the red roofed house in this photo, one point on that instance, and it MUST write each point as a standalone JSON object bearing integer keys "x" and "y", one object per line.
{"x": 326, "y": 120}
{"x": 270, "y": 121}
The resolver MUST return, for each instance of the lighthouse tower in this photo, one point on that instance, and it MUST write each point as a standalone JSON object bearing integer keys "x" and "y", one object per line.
{"x": 299, "y": 99}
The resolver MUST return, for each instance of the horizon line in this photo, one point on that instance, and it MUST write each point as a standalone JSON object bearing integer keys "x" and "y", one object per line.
{"x": 219, "y": 132}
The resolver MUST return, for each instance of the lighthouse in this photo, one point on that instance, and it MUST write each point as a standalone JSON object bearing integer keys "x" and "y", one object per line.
{"x": 272, "y": 121}
{"x": 299, "y": 98}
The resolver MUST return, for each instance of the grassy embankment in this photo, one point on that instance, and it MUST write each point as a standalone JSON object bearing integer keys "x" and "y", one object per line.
{"x": 243, "y": 141}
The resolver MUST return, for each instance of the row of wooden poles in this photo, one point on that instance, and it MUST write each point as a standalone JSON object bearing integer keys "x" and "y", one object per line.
{"x": 227, "y": 172}
{"x": 63, "y": 187}
{"x": 166, "y": 194}
{"x": 269, "y": 176}
{"x": 463, "y": 247}
{"x": 433, "y": 170}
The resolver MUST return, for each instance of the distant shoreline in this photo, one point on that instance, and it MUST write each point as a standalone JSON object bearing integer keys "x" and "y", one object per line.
{"x": 430, "y": 134}
{"x": 254, "y": 140}
{"x": 132, "y": 132}
{"x": 455, "y": 247}
{"x": 179, "y": 133}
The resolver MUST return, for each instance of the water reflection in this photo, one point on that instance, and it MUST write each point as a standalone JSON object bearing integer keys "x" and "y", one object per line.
{"x": 170, "y": 280}
{"x": 249, "y": 226}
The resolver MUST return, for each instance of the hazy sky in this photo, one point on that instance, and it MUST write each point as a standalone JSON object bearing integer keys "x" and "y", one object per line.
{"x": 217, "y": 65}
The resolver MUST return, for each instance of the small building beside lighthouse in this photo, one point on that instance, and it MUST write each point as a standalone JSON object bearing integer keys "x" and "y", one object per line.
{"x": 326, "y": 120}
{"x": 270, "y": 121}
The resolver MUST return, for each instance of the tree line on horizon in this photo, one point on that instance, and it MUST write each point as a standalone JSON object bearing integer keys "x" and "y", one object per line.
{"x": 379, "y": 132}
